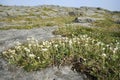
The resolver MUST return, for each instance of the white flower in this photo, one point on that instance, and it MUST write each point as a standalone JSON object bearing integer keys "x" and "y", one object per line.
{"x": 11, "y": 56}
{"x": 74, "y": 39}
{"x": 63, "y": 44}
{"x": 70, "y": 42}
{"x": 38, "y": 57}
{"x": 48, "y": 46}
{"x": 118, "y": 43}
{"x": 18, "y": 47}
{"x": 107, "y": 45}
{"x": 111, "y": 48}
{"x": 103, "y": 49}
{"x": 11, "y": 51}
{"x": 44, "y": 43}
{"x": 44, "y": 49}
{"x": 79, "y": 42}
{"x": 86, "y": 44}
{"x": 35, "y": 45}
{"x": 114, "y": 51}
{"x": 31, "y": 55}
{"x": 56, "y": 45}
{"x": 102, "y": 44}
{"x": 116, "y": 48}
{"x": 93, "y": 41}
{"x": 104, "y": 55}
{"x": 84, "y": 36}
{"x": 87, "y": 39}
{"x": 98, "y": 43}
{"x": 4, "y": 52}
{"x": 41, "y": 46}
{"x": 30, "y": 45}
{"x": 66, "y": 39}
{"x": 26, "y": 49}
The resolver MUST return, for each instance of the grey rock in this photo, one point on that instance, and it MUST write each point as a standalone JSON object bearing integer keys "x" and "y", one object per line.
{"x": 52, "y": 73}
{"x": 2, "y": 24}
{"x": 117, "y": 21}
{"x": 7, "y": 40}
{"x": 76, "y": 13}
{"x": 84, "y": 20}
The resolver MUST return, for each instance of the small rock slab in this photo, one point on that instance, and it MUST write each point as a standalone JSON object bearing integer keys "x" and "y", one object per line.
{"x": 86, "y": 19}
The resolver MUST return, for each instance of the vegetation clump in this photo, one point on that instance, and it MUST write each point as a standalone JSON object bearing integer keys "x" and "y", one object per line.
{"x": 97, "y": 58}
{"x": 106, "y": 33}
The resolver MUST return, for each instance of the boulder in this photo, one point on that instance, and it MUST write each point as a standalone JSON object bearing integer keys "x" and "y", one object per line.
{"x": 84, "y": 20}
{"x": 76, "y": 13}
{"x": 117, "y": 21}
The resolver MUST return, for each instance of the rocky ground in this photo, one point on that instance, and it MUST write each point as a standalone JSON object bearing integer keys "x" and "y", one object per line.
{"x": 10, "y": 72}
{"x": 11, "y": 16}
{"x": 9, "y": 37}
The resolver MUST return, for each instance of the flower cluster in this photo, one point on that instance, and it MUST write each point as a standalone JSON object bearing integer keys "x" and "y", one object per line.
{"x": 35, "y": 55}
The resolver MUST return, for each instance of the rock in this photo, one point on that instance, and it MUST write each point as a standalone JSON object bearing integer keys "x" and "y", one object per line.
{"x": 76, "y": 13}
{"x": 10, "y": 72}
{"x": 84, "y": 20}
{"x": 117, "y": 21}
{"x": 116, "y": 18}
{"x": 2, "y": 24}
{"x": 7, "y": 40}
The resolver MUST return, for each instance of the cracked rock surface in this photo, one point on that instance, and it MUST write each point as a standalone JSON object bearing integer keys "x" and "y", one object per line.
{"x": 9, "y": 37}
